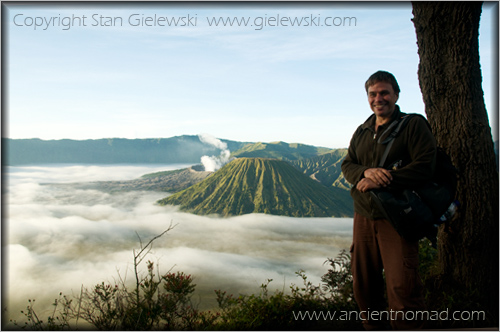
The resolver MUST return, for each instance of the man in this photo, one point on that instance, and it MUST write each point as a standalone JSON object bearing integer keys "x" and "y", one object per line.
{"x": 377, "y": 247}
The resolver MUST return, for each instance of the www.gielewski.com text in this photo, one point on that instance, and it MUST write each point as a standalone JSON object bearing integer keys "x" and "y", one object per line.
{"x": 142, "y": 20}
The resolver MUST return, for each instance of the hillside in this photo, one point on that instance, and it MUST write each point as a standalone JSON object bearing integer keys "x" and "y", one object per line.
{"x": 168, "y": 181}
{"x": 279, "y": 150}
{"x": 325, "y": 168}
{"x": 179, "y": 149}
{"x": 258, "y": 185}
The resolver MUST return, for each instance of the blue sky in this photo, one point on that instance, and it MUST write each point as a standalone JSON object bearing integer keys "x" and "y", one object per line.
{"x": 253, "y": 83}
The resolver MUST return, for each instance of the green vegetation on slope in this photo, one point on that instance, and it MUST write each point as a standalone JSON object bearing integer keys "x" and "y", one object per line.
{"x": 279, "y": 150}
{"x": 325, "y": 168}
{"x": 258, "y": 185}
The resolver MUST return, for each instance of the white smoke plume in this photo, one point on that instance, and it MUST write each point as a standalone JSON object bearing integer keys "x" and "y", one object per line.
{"x": 213, "y": 163}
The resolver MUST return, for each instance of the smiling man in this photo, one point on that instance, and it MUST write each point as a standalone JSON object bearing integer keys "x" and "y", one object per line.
{"x": 377, "y": 247}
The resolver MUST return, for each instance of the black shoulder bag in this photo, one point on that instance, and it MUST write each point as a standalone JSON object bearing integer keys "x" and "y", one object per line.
{"x": 416, "y": 213}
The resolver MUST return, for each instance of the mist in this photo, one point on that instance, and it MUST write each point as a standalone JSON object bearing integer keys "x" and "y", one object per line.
{"x": 58, "y": 238}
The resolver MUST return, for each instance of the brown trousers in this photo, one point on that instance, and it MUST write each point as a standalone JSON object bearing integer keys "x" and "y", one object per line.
{"x": 378, "y": 248}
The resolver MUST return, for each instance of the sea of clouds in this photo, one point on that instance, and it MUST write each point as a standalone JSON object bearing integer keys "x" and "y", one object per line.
{"x": 58, "y": 237}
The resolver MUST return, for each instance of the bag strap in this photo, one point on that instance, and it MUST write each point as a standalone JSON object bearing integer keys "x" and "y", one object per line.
{"x": 390, "y": 139}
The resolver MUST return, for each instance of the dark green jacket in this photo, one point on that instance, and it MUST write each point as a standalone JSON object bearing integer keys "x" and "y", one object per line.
{"x": 415, "y": 147}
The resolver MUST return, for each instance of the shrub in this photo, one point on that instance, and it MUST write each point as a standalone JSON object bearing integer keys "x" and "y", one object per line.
{"x": 281, "y": 311}
{"x": 164, "y": 303}
{"x": 57, "y": 321}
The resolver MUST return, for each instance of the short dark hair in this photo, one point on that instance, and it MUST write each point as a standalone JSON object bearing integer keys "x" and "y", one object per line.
{"x": 382, "y": 76}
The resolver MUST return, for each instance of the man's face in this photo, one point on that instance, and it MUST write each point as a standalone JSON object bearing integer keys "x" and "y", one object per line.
{"x": 382, "y": 99}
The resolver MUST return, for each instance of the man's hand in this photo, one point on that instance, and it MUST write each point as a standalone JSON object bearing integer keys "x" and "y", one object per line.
{"x": 366, "y": 185}
{"x": 380, "y": 176}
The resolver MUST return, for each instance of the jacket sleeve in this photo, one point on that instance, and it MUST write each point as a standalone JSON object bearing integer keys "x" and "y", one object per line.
{"x": 352, "y": 170}
{"x": 422, "y": 152}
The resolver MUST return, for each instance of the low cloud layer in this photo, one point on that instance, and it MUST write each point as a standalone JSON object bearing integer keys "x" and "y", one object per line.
{"x": 60, "y": 237}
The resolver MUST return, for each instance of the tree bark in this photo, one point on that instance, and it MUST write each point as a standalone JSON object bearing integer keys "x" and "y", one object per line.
{"x": 450, "y": 81}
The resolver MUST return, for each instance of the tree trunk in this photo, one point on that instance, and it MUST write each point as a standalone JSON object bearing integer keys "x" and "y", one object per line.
{"x": 450, "y": 80}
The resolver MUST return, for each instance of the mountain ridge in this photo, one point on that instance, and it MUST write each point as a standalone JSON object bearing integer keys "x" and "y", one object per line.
{"x": 166, "y": 181}
{"x": 177, "y": 149}
{"x": 325, "y": 168}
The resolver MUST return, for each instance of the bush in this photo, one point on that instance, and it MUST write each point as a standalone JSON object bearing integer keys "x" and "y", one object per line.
{"x": 293, "y": 311}
{"x": 164, "y": 303}
{"x": 57, "y": 321}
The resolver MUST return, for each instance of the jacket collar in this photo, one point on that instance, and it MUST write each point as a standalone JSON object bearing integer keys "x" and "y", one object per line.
{"x": 370, "y": 122}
